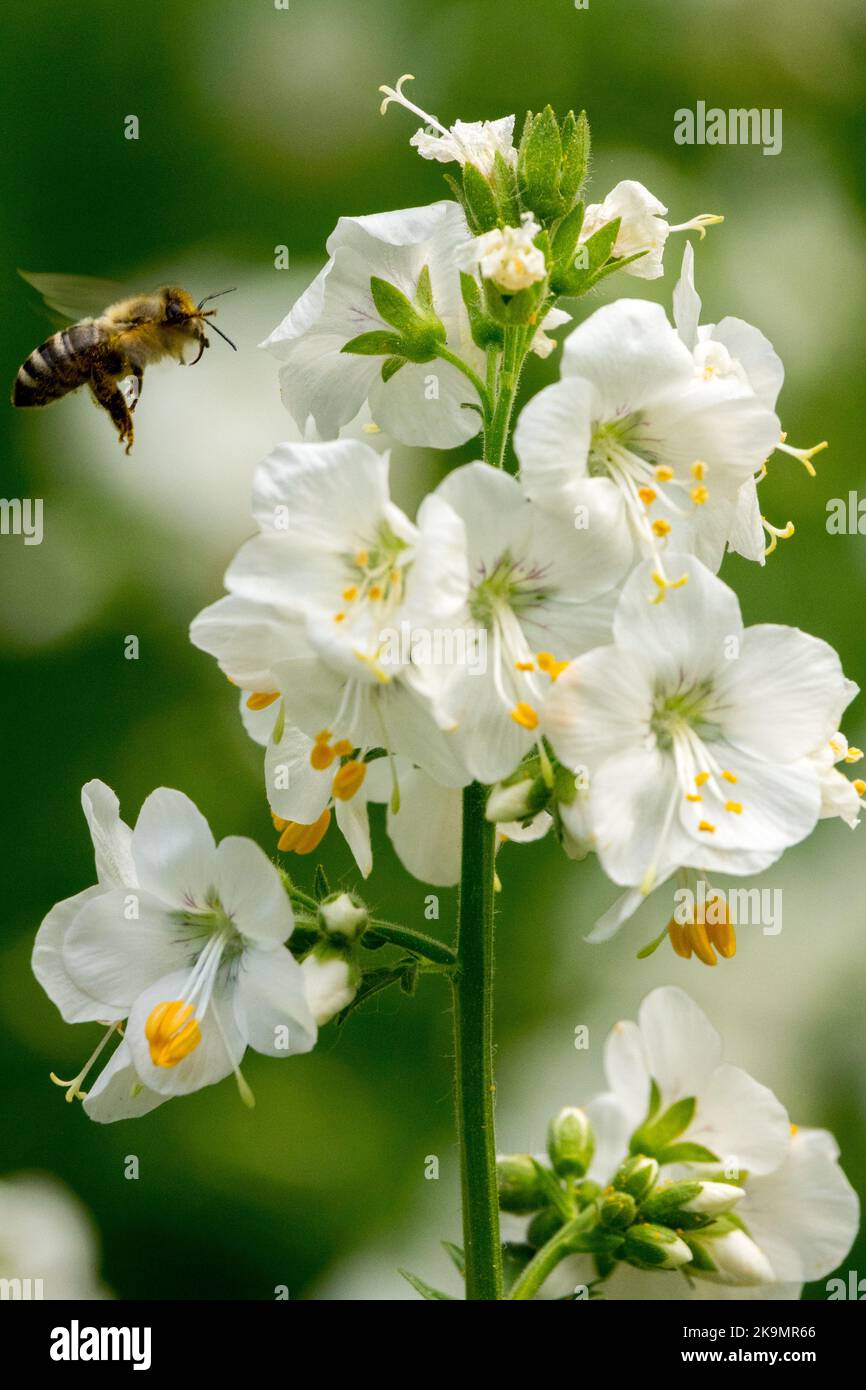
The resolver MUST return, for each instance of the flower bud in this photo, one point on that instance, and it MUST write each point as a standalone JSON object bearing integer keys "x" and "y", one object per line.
{"x": 570, "y": 1142}
{"x": 637, "y": 1176}
{"x": 669, "y": 1203}
{"x": 520, "y": 1188}
{"x": 618, "y": 1210}
{"x": 331, "y": 982}
{"x": 731, "y": 1257}
{"x": 516, "y": 801}
{"x": 542, "y": 1227}
{"x": 343, "y": 915}
{"x": 655, "y": 1247}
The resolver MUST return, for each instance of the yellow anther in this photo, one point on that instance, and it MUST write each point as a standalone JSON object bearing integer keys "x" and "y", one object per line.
{"x": 859, "y": 786}
{"x": 701, "y": 779}
{"x": 524, "y": 715}
{"x": 374, "y": 592}
{"x": 524, "y": 665}
{"x": 696, "y": 935}
{"x": 362, "y": 558}
{"x": 698, "y": 470}
{"x": 662, "y": 473}
{"x": 348, "y": 779}
{"x": 339, "y": 617}
{"x": 548, "y": 663}
{"x": 693, "y": 796}
{"x": 321, "y": 756}
{"x": 647, "y": 495}
{"x": 298, "y": 838}
{"x": 661, "y": 527}
{"x": 699, "y": 495}
{"x": 735, "y": 807}
{"x": 323, "y": 736}
{"x": 371, "y": 428}
{"x": 260, "y": 699}
{"x": 350, "y": 593}
{"x": 723, "y": 937}
{"x": 706, "y": 827}
{"x": 172, "y": 1032}
{"x": 729, "y": 777}
{"x": 279, "y": 823}
{"x": 679, "y": 940}
{"x": 795, "y": 1130}
{"x": 343, "y": 747}
{"x": 853, "y": 755}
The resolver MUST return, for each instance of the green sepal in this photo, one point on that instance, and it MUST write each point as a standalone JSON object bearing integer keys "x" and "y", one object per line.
{"x": 554, "y": 1193}
{"x": 486, "y": 332}
{"x": 539, "y": 165}
{"x": 575, "y": 156}
{"x": 503, "y": 180}
{"x": 379, "y": 343}
{"x": 595, "y": 252}
{"x": 479, "y": 200}
{"x": 391, "y": 366}
{"x": 426, "y": 1290}
{"x": 565, "y": 239}
{"x": 321, "y": 886}
{"x": 455, "y": 1253}
{"x": 513, "y": 310}
{"x": 597, "y": 1242}
{"x": 543, "y": 1226}
{"x": 687, "y": 1153}
{"x": 654, "y": 1136}
{"x": 392, "y": 304}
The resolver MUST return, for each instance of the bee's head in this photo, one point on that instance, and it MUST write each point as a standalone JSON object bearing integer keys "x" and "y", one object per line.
{"x": 181, "y": 312}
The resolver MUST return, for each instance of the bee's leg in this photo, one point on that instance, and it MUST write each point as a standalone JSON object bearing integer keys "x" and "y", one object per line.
{"x": 138, "y": 378}
{"x": 108, "y": 394}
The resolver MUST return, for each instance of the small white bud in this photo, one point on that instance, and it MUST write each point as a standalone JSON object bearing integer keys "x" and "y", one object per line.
{"x": 330, "y": 984}
{"x": 735, "y": 1258}
{"x": 343, "y": 916}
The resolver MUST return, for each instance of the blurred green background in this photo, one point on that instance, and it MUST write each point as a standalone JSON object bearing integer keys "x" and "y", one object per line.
{"x": 259, "y": 127}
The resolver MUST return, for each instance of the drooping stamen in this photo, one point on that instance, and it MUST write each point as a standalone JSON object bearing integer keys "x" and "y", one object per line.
{"x": 348, "y": 779}
{"x": 297, "y": 838}
{"x": 803, "y": 456}
{"x": 260, "y": 699}
{"x": 172, "y": 1031}
{"x": 74, "y": 1091}
{"x": 776, "y": 534}
{"x": 397, "y": 94}
{"x": 700, "y": 223}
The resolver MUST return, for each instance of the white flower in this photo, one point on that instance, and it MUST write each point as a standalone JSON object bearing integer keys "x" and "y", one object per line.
{"x": 183, "y": 938}
{"x": 697, "y": 733}
{"x": 539, "y": 590}
{"x": 674, "y": 1048}
{"x": 467, "y": 142}
{"x": 643, "y": 226}
{"x": 629, "y": 410}
{"x": 320, "y": 623}
{"x": 508, "y": 256}
{"x": 47, "y": 1238}
{"x": 736, "y": 353}
{"x": 422, "y": 403}
{"x": 330, "y": 984}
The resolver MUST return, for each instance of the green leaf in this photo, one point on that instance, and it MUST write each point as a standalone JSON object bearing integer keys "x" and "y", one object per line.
{"x": 655, "y": 1136}
{"x": 409, "y": 979}
{"x": 375, "y": 344}
{"x": 372, "y": 982}
{"x": 539, "y": 164}
{"x": 554, "y": 1192}
{"x": 575, "y": 156}
{"x": 426, "y": 1290}
{"x": 482, "y": 212}
{"x": 595, "y": 252}
{"x": 565, "y": 240}
{"x": 456, "y": 1255}
{"x": 486, "y": 332}
{"x": 687, "y": 1153}
{"x": 424, "y": 292}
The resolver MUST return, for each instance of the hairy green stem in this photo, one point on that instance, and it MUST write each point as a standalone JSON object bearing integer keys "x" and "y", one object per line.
{"x": 473, "y": 1050}
{"x": 486, "y": 403}
{"x": 416, "y": 941}
{"x": 514, "y": 352}
{"x": 550, "y": 1255}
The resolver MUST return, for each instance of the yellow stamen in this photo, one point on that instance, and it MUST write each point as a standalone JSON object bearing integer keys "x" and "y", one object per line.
{"x": 260, "y": 699}
{"x": 698, "y": 470}
{"x": 339, "y": 617}
{"x": 374, "y": 592}
{"x": 173, "y": 1033}
{"x": 663, "y": 474}
{"x": 661, "y": 527}
{"x": 647, "y": 495}
{"x": 729, "y": 777}
{"x": 524, "y": 665}
{"x": 524, "y": 715}
{"x": 795, "y": 1129}
{"x": 348, "y": 779}
{"x": 362, "y": 559}
{"x": 699, "y": 495}
{"x": 702, "y": 779}
{"x": 350, "y": 593}
{"x": 548, "y": 663}
{"x": 724, "y": 938}
{"x": 705, "y": 826}
{"x": 693, "y": 796}
{"x": 735, "y": 807}
{"x": 696, "y": 934}
{"x": 776, "y": 533}
{"x": 679, "y": 941}
{"x": 859, "y": 786}
{"x": 303, "y": 839}
{"x": 343, "y": 747}
{"x": 853, "y": 755}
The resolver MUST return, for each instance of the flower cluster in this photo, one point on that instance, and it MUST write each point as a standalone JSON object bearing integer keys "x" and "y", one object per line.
{"x": 685, "y": 1180}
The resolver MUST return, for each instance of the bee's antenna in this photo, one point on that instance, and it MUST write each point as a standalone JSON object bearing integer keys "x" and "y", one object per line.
{"x": 218, "y": 295}
{"x": 223, "y": 335}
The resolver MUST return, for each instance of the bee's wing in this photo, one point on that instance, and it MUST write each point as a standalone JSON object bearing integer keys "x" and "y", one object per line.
{"x": 76, "y": 296}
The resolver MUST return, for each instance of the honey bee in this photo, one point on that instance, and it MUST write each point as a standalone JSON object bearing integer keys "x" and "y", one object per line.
{"x": 110, "y": 347}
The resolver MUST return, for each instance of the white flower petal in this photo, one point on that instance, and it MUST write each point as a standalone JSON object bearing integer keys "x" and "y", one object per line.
{"x": 113, "y": 958}
{"x": 173, "y": 849}
{"x": 270, "y": 1005}
{"x": 251, "y": 892}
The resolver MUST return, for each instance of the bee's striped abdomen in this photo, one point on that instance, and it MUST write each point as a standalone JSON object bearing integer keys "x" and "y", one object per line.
{"x": 60, "y": 364}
